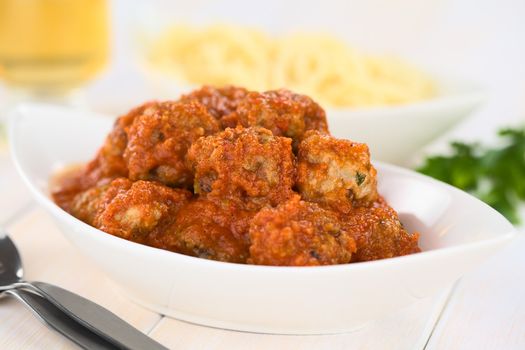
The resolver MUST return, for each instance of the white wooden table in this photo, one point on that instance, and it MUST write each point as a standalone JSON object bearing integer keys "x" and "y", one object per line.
{"x": 484, "y": 310}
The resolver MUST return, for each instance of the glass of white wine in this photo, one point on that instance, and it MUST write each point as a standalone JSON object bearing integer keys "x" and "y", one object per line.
{"x": 49, "y": 48}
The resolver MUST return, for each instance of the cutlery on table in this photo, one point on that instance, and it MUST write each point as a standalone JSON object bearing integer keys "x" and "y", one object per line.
{"x": 54, "y": 318}
{"x": 86, "y": 313}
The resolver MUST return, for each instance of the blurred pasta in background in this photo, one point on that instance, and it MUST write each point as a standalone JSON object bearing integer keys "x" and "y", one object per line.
{"x": 319, "y": 65}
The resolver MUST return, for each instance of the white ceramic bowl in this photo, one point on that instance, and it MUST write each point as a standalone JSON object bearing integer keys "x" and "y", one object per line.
{"x": 394, "y": 133}
{"x": 457, "y": 233}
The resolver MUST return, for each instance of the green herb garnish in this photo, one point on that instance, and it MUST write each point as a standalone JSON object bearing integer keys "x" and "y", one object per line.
{"x": 359, "y": 178}
{"x": 494, "y": 175}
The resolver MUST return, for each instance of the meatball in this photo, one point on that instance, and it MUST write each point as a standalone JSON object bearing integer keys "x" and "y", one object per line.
{"x": 158, "y": 142}
{"x": 283, "y": 112}
{"x": 134, "y": 213}
{"x": 219, "y": 102}
{"x": 335, "y": 173}
{"x": 249, "y": 166}
{"x": 89, "y": 204}
{"x": 378, "y": 233}
{"x": 299, "y": 233}
{"x": 109, "y": 160}
{"x": 208, "y": 230}
{"x": 106, "y": 166}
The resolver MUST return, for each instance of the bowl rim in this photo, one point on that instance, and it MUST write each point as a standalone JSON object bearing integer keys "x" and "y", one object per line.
{"x": 509, "y": 232}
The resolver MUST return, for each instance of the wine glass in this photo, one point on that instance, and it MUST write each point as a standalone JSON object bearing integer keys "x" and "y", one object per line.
{"x": 50, "y": 48}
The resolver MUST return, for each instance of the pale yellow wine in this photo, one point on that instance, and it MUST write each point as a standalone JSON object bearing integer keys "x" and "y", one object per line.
{"x": 52, "y": 44}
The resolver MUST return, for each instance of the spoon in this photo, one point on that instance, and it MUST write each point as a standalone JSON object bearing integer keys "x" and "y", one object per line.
{"x": 88, "y": 314}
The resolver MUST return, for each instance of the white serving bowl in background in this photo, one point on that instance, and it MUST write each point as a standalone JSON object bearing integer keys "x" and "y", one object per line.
{"x": 457, "y": 233}
{"x": 394, "y": 133}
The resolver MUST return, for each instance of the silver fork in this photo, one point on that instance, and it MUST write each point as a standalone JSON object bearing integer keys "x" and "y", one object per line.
{"x": 84, "y": 312}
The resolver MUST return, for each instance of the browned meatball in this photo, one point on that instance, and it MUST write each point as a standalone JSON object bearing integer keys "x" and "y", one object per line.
{"x": 207, "y": 230}
{"x": 250, "y": 166}
{"x": 108, "y": 164}
{"x": 299, "y": 233}
{"x": 110, "y": 158}
{"x": 282, "y": 111}
{"x": 134, "y": 213}
{"x": 378, "y": 233}
{"x": 158, "y": 141}
{"x": 335, "y": 173}
{"x": 219, "y": 102}
{"x": 89, "y": 204}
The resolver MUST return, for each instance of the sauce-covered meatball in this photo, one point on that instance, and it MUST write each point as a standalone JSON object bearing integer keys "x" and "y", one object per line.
{"x": 219, "y": 101}
{"x": 378, "y": 233}
{"x": 335, "y": 173}
{"x": 107, "y": 165}
{"x": 134, "y": 213}
{"x": 110, "y": 160}
{"x": 282, "y": 112}
{"x": 250, "y": 166}
{"x": 158, "y": 141}
{"x": 299, "y": 233}
{"x": 89, "y": 204}
{"x": 208, "y": 230}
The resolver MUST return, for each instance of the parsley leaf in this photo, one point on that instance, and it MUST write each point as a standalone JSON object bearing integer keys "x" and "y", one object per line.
{"x": 495, "y": 175}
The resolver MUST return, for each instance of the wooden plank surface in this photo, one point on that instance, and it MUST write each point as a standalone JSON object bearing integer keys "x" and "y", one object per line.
{"x": 487, "y": 309}
{"x": 407, "y": 329}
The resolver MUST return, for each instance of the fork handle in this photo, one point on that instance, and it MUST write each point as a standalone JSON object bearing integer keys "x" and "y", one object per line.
{"x": 95, "y": 317}
{"x": 55, "y": 319}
